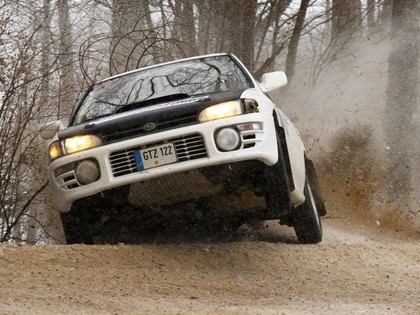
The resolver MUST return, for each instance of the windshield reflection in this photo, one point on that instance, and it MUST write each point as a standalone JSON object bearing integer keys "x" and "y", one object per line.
{"x": 182, "y": 79}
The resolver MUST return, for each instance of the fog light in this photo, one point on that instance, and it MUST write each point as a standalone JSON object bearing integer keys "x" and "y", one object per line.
{"x": 87, "y": 172}
{"x": 227, "y": 139}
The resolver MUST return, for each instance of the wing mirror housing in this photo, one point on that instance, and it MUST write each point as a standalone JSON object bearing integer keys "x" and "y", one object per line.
{"x": 273, "y": 80}
{"x": 50, "y": 129}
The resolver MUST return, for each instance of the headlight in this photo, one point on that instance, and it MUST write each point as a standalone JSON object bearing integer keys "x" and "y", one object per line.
{"x": 55, "y": 150}
{"x": 73, "y": 144}
{"x": 222, "y": 110}
{"x": 80, "y": 143}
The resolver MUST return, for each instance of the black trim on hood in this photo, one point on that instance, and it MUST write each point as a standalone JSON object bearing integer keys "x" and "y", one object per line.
{"x": 154, "y": 113}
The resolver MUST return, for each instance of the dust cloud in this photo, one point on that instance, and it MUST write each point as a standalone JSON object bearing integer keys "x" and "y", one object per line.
{"x": 340, "y": 116}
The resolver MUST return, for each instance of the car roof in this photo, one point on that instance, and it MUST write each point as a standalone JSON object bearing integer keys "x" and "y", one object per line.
{"x": 162, "y": 64}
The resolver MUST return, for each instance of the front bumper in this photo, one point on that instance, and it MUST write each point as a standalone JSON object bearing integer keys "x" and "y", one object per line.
{"x": 258, "y": 145}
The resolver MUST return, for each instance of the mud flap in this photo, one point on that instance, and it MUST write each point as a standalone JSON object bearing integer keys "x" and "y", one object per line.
{"x": 276, "y": 187}
{"x": 316, "y": 189}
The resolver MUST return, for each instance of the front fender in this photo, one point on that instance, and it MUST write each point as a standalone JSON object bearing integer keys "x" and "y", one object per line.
{"x": 296, "y": 157}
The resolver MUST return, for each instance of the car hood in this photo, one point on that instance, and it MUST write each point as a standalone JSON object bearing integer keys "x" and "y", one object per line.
{"x": 184, "y": 111}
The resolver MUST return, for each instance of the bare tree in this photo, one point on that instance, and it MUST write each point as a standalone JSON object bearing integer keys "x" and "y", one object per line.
{"x": 25, "y": 72}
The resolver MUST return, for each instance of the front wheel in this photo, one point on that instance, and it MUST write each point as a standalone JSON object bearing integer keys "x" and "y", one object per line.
{"x": 306, "y": 219}
{"x": 76, "y": 225}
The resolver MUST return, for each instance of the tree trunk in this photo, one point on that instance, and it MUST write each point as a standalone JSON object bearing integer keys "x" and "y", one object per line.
{"x": 294, "y": 40}
{"x": 277, "y": 44}
{"x": 228, "y": 26}
{"x": 45, "y": 20}
{"x": 189, "y": 28}
{"x": 371, "y": 14}
{"x": 385, "y": 10}
{"x": 346, "y": 19}
{"x": 46, "y": 52}
{"x": 247, "y": 33}
{"x": 129, "y": 30}
{"x": 67, "y": 95}
{"x": 204, "y": 19}
{"x": 401, "y": 102}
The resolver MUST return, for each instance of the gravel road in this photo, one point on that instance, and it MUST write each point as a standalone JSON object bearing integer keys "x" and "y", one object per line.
{"x": 357, "y": 269}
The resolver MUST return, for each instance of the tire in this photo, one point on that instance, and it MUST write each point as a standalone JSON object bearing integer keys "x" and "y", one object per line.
{"x": 316, "y": 189}
{"x": 76, "y": 225}
{"x": 306, "y": 219}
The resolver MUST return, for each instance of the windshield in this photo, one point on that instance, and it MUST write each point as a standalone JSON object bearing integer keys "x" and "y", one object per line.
{"x": 176, "y": 80}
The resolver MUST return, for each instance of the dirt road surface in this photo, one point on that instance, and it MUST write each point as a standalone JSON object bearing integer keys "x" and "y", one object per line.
{"x": 357, "y": 269}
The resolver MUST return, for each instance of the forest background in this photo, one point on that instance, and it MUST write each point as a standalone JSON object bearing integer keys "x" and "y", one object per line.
{"x": 353, "y": 69}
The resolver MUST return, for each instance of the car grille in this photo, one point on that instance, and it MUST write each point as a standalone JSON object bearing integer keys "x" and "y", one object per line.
{"x": 162, "y": 125}
{"x": 187, "y": 148}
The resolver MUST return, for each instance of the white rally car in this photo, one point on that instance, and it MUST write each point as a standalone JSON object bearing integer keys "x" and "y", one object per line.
{"x": 198, "y": 131}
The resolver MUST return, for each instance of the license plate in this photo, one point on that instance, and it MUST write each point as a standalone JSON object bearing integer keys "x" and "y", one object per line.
{"x": 155, "y": 156}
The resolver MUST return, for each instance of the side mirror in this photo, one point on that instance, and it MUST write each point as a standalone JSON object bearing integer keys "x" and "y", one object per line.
{"x": 273, "y": 80}
{"x": 50, "y": 129}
